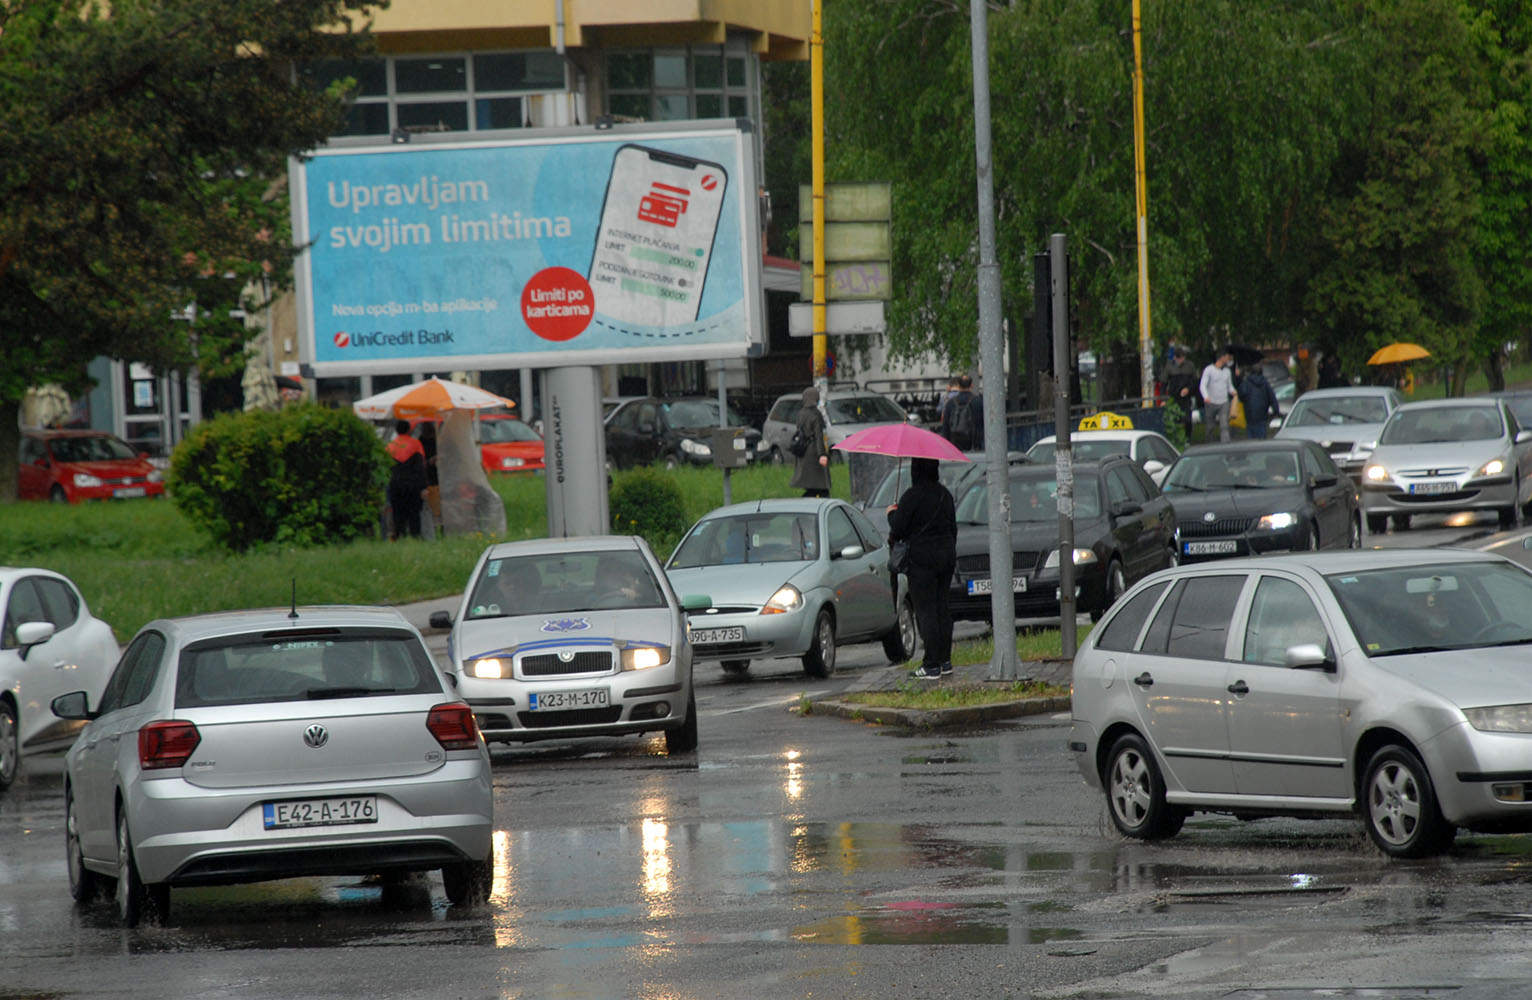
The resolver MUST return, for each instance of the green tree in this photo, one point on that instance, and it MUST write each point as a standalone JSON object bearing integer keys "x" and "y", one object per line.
{"x": 138, "y": 143}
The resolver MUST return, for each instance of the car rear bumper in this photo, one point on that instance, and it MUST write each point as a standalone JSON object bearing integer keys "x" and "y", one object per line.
{"x": 185, "y": 834}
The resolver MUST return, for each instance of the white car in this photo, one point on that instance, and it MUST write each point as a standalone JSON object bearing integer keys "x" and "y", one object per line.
{"x": 50, "y": 643}
{"x": 1345, "y": 421}
{"x": 849, "y": 411}
{"x": 1150, "y": 449}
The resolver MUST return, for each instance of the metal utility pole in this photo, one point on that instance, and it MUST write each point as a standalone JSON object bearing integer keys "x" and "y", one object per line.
{"x": 1063, "y": 450}
{"x": 1141, "y": 190}
{"x": 1003, "y": 664}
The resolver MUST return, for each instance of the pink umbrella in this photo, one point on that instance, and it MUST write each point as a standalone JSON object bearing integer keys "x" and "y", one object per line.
{"x": 903, "y": 441}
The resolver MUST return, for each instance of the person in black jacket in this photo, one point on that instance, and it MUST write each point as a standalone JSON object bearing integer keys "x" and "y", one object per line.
{"x": 963, "y": 417}
{"x": 926, "y": 518}
{"x": 1260, "y": 402}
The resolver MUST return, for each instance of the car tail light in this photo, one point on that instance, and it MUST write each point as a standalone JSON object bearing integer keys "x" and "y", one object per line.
{"x": 453, "y": 726}
{"x": 166, "y": 744}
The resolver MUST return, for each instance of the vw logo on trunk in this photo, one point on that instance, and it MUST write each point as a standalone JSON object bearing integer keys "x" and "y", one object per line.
{"x": 316, "y": 736}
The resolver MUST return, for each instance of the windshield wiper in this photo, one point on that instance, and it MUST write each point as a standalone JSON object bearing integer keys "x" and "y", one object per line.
{"x": 1406, "y": 650}
{"x": 320, "y": 694}
{"x": 1178, "y": 487}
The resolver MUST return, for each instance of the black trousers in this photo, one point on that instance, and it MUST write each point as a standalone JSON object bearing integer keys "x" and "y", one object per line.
{"x": 933, "y": 616}
{"x": 407, "y": 510}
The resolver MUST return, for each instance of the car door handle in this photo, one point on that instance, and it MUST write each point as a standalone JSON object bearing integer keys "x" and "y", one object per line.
{"x": 1144, "y": 680}
{"x": 1239, "y": 687}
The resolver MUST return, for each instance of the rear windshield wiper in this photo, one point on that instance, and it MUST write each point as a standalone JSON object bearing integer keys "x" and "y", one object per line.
{"x": 320, "y": 694}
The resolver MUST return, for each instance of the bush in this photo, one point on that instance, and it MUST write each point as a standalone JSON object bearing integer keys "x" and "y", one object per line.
{"x": 303, "y": 475}
{"x": 648, "y": 502}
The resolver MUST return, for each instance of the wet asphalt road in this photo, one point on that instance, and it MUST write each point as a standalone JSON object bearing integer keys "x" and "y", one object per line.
{"x": 797, "y": 856}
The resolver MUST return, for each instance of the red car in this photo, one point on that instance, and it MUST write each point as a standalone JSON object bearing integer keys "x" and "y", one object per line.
{"x": 506, "y": 443}
{"x": 71, "y": 466}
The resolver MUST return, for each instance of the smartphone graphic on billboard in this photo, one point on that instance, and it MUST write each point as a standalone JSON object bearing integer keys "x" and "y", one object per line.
{"x": 656, "y": 236}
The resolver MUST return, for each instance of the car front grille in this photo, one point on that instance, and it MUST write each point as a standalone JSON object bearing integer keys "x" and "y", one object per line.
{"x": 552, "y": 665}
{"x": 571, "y": 717}
{"x": 978, "y": 565}
{"x": 1215, "y": 529}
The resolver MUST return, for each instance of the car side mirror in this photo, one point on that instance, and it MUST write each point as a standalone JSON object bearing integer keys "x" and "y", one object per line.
{"x": 1523, "y": 436}
{"x": 1126, "y": 508}
{"x": 696, "y": 602}
{"x": 74, "y": 705}
{"x": 1307, "y": 656}
{"x": 29, "y": 634}
{"x": 850, "y": 552}
{"x": 440, "y": 619}
{"x": 1153, "y": 465}
{"x": 1324, "y": 480}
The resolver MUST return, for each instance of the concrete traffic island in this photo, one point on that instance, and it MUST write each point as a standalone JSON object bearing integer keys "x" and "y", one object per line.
{"x": 973, "y": 676}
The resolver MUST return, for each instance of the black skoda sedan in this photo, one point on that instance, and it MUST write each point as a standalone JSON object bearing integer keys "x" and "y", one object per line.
{"x": 1124, "y": 530}
{"x": 1252, "y": 497}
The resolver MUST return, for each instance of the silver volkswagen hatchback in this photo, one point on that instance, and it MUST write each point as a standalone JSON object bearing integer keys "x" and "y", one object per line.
{"x": 253, "y": 745}
{"x": 1390, "y": 684}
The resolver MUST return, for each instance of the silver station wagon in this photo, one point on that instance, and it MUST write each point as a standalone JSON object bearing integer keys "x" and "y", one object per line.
{"x": 252, "y": 745}
{"x": 1390, "y": 684}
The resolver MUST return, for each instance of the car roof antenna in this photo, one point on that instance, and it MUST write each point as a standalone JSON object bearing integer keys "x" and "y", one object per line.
{"x": 294, "y": 612}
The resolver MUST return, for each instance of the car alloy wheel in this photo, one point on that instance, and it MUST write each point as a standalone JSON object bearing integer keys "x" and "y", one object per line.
{"x": 10, "y": 744}
{"x": 1355, "y": 532}
{"x": 1400, "y": 806}
{"x": 83, "y": 883}
{"x": 467, "y": 883}
{"x": 899, "y": 642}
{"x": 134, "y": 898}
{"x": 1135, "y": 792}
{"x": 819, "y": 661}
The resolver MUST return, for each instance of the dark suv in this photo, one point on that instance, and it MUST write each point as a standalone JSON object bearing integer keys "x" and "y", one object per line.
{"x": 673, "y": 432}
{"x": 1124, "y": 530}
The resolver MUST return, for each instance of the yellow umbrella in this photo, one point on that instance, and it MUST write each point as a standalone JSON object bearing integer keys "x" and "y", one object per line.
{"x": 1395, "y": 354}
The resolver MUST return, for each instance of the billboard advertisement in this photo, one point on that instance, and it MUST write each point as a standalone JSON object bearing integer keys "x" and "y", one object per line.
{"x": 533, "y": 249}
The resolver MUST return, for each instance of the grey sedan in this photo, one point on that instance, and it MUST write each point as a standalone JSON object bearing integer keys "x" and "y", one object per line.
{"x": 568, "y": 637}
{"x": 254, "y": 745}
{"x": 790, "y": 578}
{"x": 1345, "y": 422}
{"x": 1446, "y": 455}
{"x": 1390, "y": 684}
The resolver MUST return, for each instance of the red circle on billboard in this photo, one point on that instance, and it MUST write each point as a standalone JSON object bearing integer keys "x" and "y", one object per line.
{"x": 557, "y": 303}
{"x": 342, "y": 339}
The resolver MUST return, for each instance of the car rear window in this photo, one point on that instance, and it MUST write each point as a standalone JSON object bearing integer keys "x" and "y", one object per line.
{"x": 564, "y": 583}
{"x": 308, "y": 666}
{"x": 1121, "y": 632}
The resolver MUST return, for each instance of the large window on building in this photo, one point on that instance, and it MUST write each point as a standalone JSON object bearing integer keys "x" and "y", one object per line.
{"x": 460, "y": 92}
{"x": 693, "y": 81}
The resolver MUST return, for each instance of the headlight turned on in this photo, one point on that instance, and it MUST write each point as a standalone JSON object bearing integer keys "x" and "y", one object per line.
{"x": 785, "y": 599}
{"x": 644, "y": 657}
{"x": 489, "y": 668}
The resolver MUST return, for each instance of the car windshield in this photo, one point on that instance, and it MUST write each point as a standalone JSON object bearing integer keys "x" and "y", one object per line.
{"x": 700, "y": 413}
{"x": 863, "y": 410}
{"x": 1415, "y": 609}
{"x": 246, "y": 670}
{"x": 1032, "y": 499}
{"x": 893, "y": 485}
{"x": 501, "y": 431}
{"x": 94, "y": 448}
{"x": 564, "y": 583}
{"x": 761, "y": 537}
{"x": 1440, "y": 424}
{"x": 1083, "y": 447}
{"x": 1224, "y": 470}
{"x": 1330, "y": 410}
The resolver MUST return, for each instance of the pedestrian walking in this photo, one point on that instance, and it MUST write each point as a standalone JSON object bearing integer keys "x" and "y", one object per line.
{"x": 1181, "y": 383}
{"x": 1260, "y": 402}
{"x": 406, "y": 482}
{"x": 1217, "y": 388}
{"x": 963, "y": 419}
{"x": 811, "y": 466}
{"x": 926, "y": 519}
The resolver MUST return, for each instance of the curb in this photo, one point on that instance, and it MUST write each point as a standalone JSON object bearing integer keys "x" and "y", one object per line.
{"x": 938, "y": 717}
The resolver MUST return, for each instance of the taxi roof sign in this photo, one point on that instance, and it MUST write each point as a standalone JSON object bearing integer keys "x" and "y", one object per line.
{"x": 1106, "y": 421}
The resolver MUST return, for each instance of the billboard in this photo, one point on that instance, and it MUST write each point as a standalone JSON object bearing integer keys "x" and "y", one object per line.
{"x": 534, "y": 248}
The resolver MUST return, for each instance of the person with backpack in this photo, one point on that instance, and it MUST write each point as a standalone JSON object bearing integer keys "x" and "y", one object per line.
{"x": 811, "y": 466}
{"x": 963, "y": 419}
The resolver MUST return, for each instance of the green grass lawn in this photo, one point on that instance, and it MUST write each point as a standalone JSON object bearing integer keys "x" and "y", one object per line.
{"x": 139, "y": 560}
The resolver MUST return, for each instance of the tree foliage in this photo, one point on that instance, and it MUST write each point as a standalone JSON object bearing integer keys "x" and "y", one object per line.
{"x": 138, "y": 146}
{"x": 1347, "y": 173}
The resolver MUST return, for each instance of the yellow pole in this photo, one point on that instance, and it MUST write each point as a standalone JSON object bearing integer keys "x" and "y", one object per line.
{"x": 1141, "y": 189}
{"x": 817, "y": 146}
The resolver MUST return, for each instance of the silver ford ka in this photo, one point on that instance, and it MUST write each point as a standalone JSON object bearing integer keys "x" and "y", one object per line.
{"x": 569, "y": 637}
{"x": 253, "y": 745}
{"x": 1390, "y": 684}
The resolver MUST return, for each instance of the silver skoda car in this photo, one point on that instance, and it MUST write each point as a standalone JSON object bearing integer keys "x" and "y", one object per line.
{"x": 1387, "y": 684}
{"x": 568, "y": 637}
{"x": 253, "y": 745}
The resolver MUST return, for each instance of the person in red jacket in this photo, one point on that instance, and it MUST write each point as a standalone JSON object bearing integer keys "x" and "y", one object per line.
{"x": 407, "y": 481}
